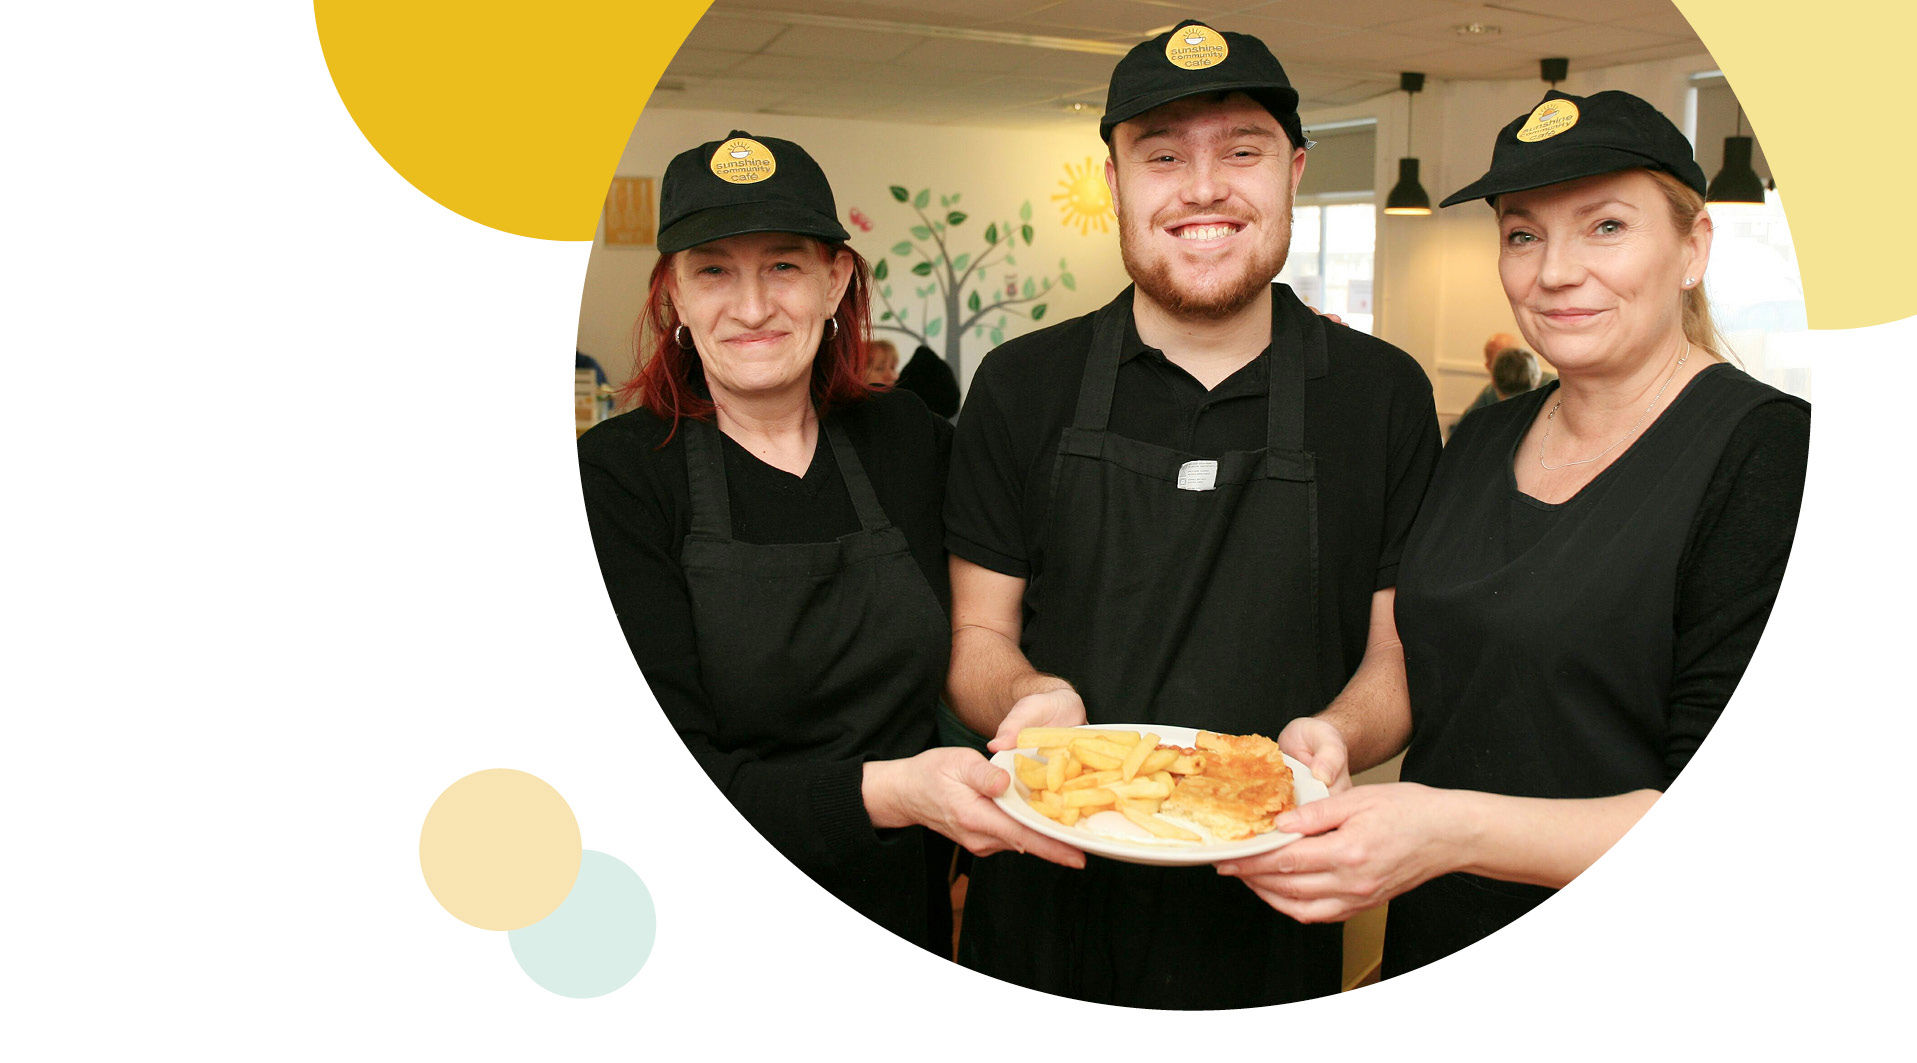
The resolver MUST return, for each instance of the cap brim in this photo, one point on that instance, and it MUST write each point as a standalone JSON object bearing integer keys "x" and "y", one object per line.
{"x": 717, "y": 223}
{"x": 1275, "y": 98}
{"x": 1557, "y": 167}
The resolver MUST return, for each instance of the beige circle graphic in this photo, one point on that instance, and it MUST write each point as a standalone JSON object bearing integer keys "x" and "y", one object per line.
{"x": 1195, "y": 47}
{"x": 500, "y": 849}
{"x": 743, "y": 161}
{"x": 1549, "y": 119}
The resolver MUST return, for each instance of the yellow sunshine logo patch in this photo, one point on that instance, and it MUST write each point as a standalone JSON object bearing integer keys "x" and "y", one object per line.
{"x": 1196, "y": 47}
{"x": 1551, "y": 118}
{"x": 743, "y": 161}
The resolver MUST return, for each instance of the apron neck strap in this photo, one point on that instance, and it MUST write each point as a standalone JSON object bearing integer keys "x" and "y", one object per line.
{"x": 852, "y": 471}
{"x": 1298, "y": 354}
{"x": 706, "y": 477}
{"x": 1100, "y": 378}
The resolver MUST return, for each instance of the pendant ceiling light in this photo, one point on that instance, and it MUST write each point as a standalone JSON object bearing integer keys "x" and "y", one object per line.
{"x": 1736, "y": 182}
{"x": 1408, "y": 196}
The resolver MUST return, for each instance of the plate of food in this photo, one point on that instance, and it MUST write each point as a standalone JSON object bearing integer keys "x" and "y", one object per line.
{"x": 1154, "y": 793}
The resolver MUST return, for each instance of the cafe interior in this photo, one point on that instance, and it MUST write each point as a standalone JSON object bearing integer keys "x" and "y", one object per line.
{"x": 944, "y": 127}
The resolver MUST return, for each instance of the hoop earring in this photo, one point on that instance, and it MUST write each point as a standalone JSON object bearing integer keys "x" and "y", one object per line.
{"x": 683, "y": 337}
{"x": 831, "y": 329}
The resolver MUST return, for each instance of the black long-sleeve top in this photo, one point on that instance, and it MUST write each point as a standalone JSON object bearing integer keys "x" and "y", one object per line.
{"x": 639, "y": 506}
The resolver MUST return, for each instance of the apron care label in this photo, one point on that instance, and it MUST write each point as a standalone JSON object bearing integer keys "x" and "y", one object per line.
{"x": 1198, "y": 476}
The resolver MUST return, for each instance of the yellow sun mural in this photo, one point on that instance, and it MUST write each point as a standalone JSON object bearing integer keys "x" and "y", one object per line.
{"x": 1087, "y": 202}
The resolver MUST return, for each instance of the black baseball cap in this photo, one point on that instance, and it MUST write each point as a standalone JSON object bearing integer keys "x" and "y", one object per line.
{"x": 744, "y": 184}
{"x": 1192, "y": 59}
{"x": 1566, "y": 137}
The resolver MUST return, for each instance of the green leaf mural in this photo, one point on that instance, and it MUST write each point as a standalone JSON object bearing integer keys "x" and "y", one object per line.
{"x": 970, "y": 291}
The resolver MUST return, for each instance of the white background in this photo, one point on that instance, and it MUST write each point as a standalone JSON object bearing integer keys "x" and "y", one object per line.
{"x": 294, "y": 541}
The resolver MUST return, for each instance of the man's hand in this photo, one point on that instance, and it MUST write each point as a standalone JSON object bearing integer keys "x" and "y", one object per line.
{"x": 1058, "y": 706}
{"x": 1319, "y": 745}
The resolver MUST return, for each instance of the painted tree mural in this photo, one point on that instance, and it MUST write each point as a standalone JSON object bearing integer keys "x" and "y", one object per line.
{"x": 953, "y": 292}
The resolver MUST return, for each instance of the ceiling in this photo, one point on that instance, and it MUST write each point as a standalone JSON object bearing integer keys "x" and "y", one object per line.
{"x": 1023, "y": 62}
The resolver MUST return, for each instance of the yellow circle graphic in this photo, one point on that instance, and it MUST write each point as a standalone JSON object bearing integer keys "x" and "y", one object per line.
{"x": 500, "y": 849}
{"x": 1551, "y": 118}
{"x": 513, "y": 115}
{"x": 1195, "y": 47}
{"x": 743, "y": 161}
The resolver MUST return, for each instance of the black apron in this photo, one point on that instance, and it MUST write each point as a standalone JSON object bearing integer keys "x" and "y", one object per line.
{"x": 822, "y": 651}
{"x": 1181, "y": 591}
{"x": 1535, "y": 668}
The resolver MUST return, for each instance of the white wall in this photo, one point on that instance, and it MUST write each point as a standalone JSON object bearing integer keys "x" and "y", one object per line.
{"x": 994, "y": 171}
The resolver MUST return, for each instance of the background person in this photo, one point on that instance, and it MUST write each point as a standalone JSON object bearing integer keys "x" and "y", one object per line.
{"x": 1498, "y": 341}
{"x": 1515, "y": 371}
{"x": 883, "y": 369}
{"x": 769, "y": 532}
{"x": 930, "y": 378}
{"x": 1590, "y": 572}
{"x": 1181, "y": 510}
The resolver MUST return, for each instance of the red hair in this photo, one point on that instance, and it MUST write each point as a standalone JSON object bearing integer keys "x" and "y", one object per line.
{"x": 671, "y": 382}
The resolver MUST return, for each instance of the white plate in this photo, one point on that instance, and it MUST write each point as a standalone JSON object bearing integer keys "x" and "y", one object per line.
{"x": 1111, "y": 835}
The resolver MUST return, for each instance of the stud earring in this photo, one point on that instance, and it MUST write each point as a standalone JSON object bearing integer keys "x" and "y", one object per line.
{"x": 1690, "y": 282}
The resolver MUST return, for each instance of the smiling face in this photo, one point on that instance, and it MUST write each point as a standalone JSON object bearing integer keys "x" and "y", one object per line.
{"x": 1203, "y": 189}
{"x": 1595, "y": 270}
{"x": 756, "y": 306}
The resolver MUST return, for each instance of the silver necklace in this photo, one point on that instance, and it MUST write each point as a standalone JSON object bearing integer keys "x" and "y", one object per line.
{"x": 1555, "y": 407}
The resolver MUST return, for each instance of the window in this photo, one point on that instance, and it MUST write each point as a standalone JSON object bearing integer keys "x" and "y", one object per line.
{"x": 1756, "y": 292}
{"x": 1332, "y": 243}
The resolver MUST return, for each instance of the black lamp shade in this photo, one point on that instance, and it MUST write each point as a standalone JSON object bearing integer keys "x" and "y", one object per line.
{"x": 1737, "y": 182}
{"x": 1407, "y": 196}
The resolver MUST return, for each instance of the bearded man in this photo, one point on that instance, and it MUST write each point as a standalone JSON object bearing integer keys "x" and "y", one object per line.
{"x": 1182, "y": 509}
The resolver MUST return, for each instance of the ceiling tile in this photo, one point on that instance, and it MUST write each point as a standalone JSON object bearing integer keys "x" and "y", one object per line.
{"x": 984, "y": 57}
{"x": 1674, "y": 50}
{"x": 1286, "y": 38}
{"x": 794, "y": 69}
{"x": 717, "y": 32}
{"x": 1352, "y": 13}
{"x": 1364, "y": 51}
{"x": 965, "y": 13}
{"x": 1126, "y": 19}
{"x": 703, "y": 62}
{"x": 1666, "y": 20}
{"x": 820, "y": 42}
{"x": 1586, "y": 10}
{"x": 1442, "y": 25}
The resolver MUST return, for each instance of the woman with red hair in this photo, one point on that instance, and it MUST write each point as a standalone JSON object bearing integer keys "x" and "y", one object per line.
{"x": 770, "y": 532}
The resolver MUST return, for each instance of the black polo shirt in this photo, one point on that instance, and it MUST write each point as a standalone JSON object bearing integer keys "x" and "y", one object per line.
{"x": 1369, "y": 422}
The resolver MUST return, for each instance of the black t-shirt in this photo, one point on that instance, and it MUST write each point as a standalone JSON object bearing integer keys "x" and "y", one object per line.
{"x": 640, "y": 509}
{"x": 1585, "y": 648}
{"x": 1369, "y": 421}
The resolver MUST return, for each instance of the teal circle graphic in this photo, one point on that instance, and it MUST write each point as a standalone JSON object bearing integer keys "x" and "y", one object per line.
{"x": 597, "y": 938}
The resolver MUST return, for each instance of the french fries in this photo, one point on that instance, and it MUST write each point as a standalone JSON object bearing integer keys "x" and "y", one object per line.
{"x": 1083, "y": 771}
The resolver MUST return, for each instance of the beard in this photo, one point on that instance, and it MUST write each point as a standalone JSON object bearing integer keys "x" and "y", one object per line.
{"x": 1208, "y": 296}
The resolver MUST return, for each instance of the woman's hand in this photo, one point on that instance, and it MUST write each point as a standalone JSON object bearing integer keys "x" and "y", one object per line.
{"x": 1059, "y": 706}
{"x": 1365, "y": 846}
{"x": 1322, "y": 748}
{"x": 950, "y": 790}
